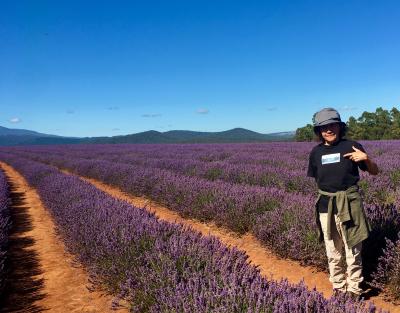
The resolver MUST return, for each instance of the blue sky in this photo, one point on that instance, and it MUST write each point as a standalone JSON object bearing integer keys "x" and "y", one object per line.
{"x": 105, "y": 68}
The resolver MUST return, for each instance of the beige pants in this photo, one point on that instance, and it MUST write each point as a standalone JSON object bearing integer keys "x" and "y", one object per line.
{"x": 337, "y": 266}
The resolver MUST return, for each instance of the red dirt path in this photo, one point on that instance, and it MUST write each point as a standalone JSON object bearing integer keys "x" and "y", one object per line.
{"x": 269, "y": 264}
{"x": 59, "y": 286}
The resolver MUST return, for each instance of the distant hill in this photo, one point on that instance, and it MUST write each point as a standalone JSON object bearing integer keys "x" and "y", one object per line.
{"x": 11, "y": 137}
{"x": 4, "y": 131}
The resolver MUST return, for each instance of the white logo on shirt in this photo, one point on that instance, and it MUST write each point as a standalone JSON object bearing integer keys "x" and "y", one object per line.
{"x": 330, "y": 158}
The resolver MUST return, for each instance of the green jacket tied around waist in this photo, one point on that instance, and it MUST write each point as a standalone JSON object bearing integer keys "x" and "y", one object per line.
{"x": 350, "y": 212}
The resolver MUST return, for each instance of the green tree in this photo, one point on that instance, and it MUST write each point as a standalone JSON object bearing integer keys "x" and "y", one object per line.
{"x": 395, "y": 117}
{"x": 305, "y": 133}
{"x": 381, "y": 124}
{"x": 372, "y": 126}
{"x": 354, "y": 130}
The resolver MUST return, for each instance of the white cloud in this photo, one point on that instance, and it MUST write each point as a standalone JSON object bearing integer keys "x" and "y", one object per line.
{"x": 202, "y": 111}
{"x": 348, "y": 108}
{"x": 15, "y": 120}
{"x": 115, "y": 108}
{"x": 152, "y": 115}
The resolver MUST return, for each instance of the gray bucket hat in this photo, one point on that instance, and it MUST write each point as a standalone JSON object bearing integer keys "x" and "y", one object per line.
{"x": 326, "y": 116}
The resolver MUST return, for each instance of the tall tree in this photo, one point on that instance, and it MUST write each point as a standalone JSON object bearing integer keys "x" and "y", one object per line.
{"x": 381, "y": 124}
{"x": 305, "y": 133}
{"x": 395, "y": 117}
{"x": 354, "y": 129}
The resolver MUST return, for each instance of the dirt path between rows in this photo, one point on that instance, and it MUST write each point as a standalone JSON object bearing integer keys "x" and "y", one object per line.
{"x": 43, "y": 276}
{"x": 269, "y": 264}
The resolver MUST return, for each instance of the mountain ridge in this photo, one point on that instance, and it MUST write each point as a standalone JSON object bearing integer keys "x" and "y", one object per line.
{"x": 11, "y": 137}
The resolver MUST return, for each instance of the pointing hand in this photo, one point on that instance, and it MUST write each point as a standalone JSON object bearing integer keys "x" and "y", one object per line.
{"x": 357, "y": 155}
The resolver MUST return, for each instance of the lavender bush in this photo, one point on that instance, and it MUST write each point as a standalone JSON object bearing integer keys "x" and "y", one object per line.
{"x": 158, "y": 266}
{"x": 238, "y": 207}
{"x": 387, "y": 276}
{"x": 239, "y": 167}
{"x": 260, "y": 188}
{"x": 5, "y": 224}
{"x": 292, "y": 233}
{"x": 230, "y": 205}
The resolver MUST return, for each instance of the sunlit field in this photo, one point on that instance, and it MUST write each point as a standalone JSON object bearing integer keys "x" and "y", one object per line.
{"x": 257, "y": 188}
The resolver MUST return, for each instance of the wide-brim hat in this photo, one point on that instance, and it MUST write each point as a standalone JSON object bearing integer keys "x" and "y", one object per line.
{"x": 326, "y": 116}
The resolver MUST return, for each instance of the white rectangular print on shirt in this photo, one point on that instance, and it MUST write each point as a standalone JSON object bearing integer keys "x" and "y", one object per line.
{"x": 330, "y": 158}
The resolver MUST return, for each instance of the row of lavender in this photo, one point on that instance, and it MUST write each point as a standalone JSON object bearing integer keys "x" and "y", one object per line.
{"x": 282, "y": 220}
{"x": 274, "y": 165}
{"x": 158, "y": 266}
{"x": 5, "y": 224}
{"x": 240, "y": 208}
{"x": 387, "y": 275}
{"x": 278, "y": 165}
{"x": 241, "y": 167}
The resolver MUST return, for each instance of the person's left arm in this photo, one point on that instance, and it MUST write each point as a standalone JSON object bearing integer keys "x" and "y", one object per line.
{"x": 358, "y": 156}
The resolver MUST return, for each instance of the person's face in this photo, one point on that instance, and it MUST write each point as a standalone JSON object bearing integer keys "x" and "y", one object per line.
{"x": 330, "y": 132}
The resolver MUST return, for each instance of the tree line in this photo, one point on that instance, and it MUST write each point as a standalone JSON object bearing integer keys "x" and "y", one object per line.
{"x": 381, "y": 124}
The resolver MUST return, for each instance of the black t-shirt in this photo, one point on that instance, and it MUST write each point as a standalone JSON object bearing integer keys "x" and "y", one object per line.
{"x": 331, "y": 170}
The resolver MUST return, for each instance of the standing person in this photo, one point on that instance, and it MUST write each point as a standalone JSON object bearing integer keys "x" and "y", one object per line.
{"x": 340, "y": 216}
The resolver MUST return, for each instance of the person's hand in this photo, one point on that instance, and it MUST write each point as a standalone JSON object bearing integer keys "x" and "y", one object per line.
{"x": 357, "y": 155}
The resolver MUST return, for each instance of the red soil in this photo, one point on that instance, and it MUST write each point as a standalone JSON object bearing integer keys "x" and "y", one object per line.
{"x": 56, "y": 283}
{"x": 62, "y": 287}
{"x": 269, "y": 264}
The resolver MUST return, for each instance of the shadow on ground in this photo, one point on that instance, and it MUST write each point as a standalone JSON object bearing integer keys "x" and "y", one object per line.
{"x": 23, "y": 287}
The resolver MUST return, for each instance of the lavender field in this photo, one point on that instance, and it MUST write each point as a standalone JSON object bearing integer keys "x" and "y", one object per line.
{"x": 5, "y": 224}
{"x": 258, "y": 188}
